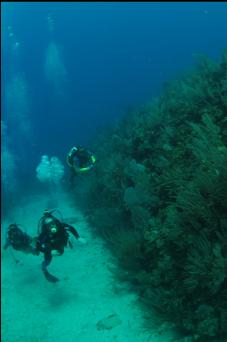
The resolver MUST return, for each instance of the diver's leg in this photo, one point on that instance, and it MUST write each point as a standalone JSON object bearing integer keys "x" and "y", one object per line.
{"x": 45, "y": 263}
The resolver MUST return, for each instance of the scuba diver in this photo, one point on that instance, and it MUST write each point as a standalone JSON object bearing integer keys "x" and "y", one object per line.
{"x": 52, "y": 239}
{"x": 19, "y": 240}
{"x": 80, "y": 160}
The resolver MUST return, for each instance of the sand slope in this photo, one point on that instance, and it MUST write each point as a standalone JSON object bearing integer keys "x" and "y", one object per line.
{"x": 35, "y": 310}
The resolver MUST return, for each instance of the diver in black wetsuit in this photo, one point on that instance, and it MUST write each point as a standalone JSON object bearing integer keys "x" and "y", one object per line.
{"x": 80, "y": 160}
{"x": 19, "y": 240}
{"x": 52, "y": 239}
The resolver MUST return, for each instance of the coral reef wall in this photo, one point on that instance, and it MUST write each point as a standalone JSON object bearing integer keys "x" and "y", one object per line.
{"x": 159, "y": 197}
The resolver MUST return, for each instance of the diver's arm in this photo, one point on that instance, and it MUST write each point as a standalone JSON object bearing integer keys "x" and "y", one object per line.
{"x": 72, "y": 230}
{"x": 70, "y": 156}
{"x": 39, "y": 245}
{"x": 92, "y": 157}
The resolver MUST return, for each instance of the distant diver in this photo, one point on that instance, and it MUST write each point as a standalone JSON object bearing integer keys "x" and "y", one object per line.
{"x": 19, "y": 240}
{"x": 80, "y": 160}
{"x": 52, "y": 239}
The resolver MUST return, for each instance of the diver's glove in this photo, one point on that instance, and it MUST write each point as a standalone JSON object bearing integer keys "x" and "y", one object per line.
{"x": 82, "y": 240}
{"x": 55, "y": 252}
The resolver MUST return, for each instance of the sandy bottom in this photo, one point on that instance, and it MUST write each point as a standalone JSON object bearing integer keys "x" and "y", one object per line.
{"x": 35, "y": 310}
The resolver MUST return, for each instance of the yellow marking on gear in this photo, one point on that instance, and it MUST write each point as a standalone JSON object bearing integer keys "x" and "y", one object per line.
{"x": 84, "y": 169}
{"x": 93, "y": 159}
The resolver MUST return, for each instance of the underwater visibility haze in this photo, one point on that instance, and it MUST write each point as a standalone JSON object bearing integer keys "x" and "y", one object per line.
{"x": 139, "y": 89}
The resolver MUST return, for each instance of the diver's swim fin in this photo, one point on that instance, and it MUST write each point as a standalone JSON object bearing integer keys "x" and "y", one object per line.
{"x": 50, "y": 277}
